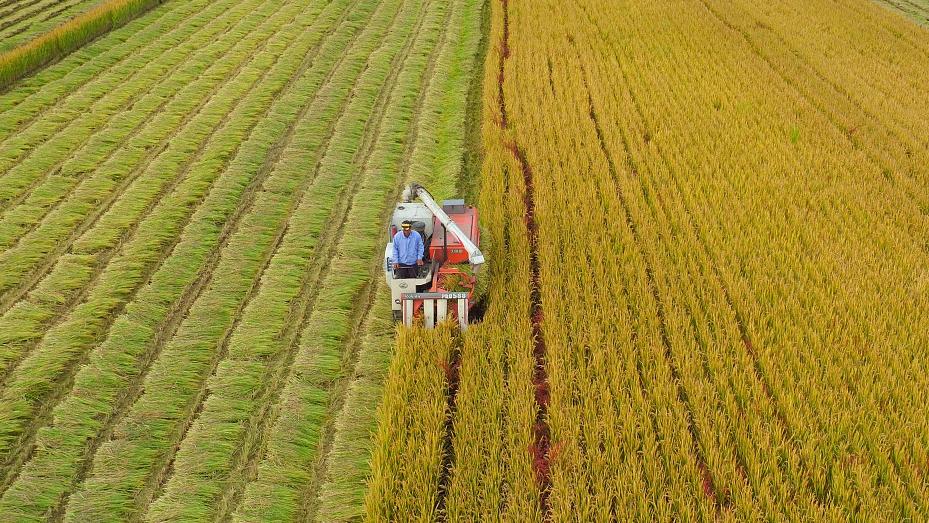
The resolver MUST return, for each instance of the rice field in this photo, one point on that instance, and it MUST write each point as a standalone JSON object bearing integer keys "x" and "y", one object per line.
{"x": 707, "y": 226}
{"x": 191, "y": 217}
{"x": 708, "y": 291}
{"x": 22, "y": 20}
{"x": 918, "y": 10}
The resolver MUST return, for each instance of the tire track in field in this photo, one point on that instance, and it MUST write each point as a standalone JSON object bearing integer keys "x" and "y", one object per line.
{"x": 823, "y": 110}
{"x": 13, "y": 295}
{"x": 26, "y": 151}
{"x": 249, "y": 456}
{"x": 21, "y": 449}
{"x": 541, "y": 457}
{"x": 363, "y": 304}
{"x": 104, "y": 258}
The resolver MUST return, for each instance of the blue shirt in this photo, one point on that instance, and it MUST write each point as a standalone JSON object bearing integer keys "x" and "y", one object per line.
{"x": 408, "y": 249}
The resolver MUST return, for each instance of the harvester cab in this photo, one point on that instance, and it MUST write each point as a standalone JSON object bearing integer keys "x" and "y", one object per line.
{"x": 444, "y": 284}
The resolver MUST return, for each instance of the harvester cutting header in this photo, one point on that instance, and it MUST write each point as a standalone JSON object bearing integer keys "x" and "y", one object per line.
{"x": 432, "y": 258}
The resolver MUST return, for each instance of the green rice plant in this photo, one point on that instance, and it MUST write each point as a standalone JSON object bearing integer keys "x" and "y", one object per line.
{"x": 158, "y": 175}
{"x": 60, "y": 85}
{"x": 260, "y": 350}
{"x": 87, "y": 323}
{"x": 38, "y": 152}
{"x": 68, "y": 37}
{"x": 57, "y": 233}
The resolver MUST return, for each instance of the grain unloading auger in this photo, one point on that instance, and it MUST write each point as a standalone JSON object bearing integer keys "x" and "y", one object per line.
{"x": 444, "y": 284}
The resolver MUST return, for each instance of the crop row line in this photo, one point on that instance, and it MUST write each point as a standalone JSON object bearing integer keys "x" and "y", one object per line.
{"x": 101, "y": 96}
{"x": 56, "y": 88}
{"x": 164, "y": 171}
{"x": 55, "y": 154}
{"x": 59, "y": 365}
{"x": 867, "y": 147}
{"x": 269, "y": 371}
{"x": 744, "y": 335}
{"x": 196, "y": 333}
{"x": 117, "y": 170}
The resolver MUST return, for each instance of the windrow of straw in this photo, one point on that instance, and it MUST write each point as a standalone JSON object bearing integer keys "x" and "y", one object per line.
{"x": 200, "y": 162}
{"x": 115, "y": 195}
{"x": 130, "y": 469}
{"x": 106, "y": 387}
{"x": 68, "y": 37}
{"x": 23, "y": 21}
{"x": 308, "y": 289}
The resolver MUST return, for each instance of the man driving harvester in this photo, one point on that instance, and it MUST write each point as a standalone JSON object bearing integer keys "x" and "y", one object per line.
{"x": 408, "y": 251}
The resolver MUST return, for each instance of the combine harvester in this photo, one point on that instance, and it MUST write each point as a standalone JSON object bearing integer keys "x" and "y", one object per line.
{"x": 451, "y": 259}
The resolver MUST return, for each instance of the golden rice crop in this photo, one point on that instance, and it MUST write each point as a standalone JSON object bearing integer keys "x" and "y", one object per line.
{"x": 709, "y": 294}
